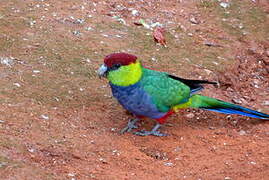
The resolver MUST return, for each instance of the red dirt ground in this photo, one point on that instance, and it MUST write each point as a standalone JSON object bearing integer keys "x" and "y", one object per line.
{"x": 59, "y": 121}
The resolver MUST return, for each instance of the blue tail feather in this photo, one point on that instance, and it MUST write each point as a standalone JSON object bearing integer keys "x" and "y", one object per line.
{"x": 235, "y": 109}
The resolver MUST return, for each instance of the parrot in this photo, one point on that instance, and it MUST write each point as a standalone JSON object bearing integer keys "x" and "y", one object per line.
{"x": 157, "y": 95}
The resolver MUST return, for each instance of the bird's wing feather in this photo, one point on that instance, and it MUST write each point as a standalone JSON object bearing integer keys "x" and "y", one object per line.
{"x": 195, "y": 85}
{"x": 165, "y": 91}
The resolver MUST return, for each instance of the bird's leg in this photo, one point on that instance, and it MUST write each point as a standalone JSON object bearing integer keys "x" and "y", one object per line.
{"x": 153, "y": 132}
{"x": 131, "y": 125}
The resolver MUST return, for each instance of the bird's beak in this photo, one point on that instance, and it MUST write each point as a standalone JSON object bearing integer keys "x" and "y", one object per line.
{"x": 102, "y": 71}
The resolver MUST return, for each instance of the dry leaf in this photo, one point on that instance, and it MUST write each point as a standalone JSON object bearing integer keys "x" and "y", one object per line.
{"x": 158, "y": 35}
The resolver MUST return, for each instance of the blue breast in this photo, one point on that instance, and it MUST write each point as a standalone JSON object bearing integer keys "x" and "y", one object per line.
{"x": 136, "y": 100}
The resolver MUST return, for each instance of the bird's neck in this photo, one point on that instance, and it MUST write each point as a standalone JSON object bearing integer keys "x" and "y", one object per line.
{"x": 126, "y": 75}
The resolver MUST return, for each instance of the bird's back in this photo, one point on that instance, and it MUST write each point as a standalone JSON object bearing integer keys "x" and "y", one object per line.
{"x": 165, "y": 91}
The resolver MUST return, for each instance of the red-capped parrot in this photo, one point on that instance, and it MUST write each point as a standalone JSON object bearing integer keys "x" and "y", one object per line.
{"x": 156, "y": 95}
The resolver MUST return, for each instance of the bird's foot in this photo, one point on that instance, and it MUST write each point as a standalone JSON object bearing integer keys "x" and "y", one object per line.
{"x": 131, "y": 125}
{"x": 146, "y": 133}
{"x": 153, "y": 132}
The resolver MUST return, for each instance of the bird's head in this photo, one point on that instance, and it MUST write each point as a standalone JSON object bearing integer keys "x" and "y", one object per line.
{"x": 121, "y": 69}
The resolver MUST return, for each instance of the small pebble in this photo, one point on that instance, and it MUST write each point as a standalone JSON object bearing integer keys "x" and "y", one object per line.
{"x": 2, "y": 164}
{"x": 36, "y": 71}
{"x": 190, "y": 34}
{"x": 119, "y": 19}
{"x": 32, "y": 23}
{"x": 214, "y": 62}
{"x": 88, "y": 28}
{"x": 6, "y": 61}
{"x": 31, "y": 150}
{"x": 116, "y": 152}
{"x": 153, "y": 59}
{"x": 234, "y": 122}
{"x": 134, "y": 12}
{"x": 190, "y": 115}
{"x": 103, "y": 160}
{"x": 193, "y": 20}
{"x": 43, "y": 116}
{"x": 224, "y": 4}
{"x": 77, "y": 33}
{"x": 71, "y": 174}
{"x": 237, "y": 101}
{"x": 79, "y": 21}
{"x": 17, "y": 84}
{"x": 169, "y": 164}
{"x": 242, "y": 132}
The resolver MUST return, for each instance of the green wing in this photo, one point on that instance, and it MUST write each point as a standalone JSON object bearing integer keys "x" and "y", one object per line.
{"x": 165, "y": 91}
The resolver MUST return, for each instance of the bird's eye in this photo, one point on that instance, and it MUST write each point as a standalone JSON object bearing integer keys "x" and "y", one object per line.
{"x": 116, "y": 66}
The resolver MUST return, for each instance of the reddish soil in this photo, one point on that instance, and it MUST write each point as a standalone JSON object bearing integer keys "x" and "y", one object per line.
{"x": 59, "y": 121}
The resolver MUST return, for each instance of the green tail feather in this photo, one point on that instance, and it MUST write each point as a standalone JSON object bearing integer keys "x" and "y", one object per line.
{"x": 199, "y": 101}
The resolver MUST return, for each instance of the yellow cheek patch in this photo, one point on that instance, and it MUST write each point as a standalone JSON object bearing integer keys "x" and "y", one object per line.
{"x": 126, "y": 75}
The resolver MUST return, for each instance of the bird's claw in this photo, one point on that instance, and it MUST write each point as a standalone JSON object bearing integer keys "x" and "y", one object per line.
{"x": 131, "y": 125}
{"x": 146, "y": 133}
{"x": 153, "y": 132}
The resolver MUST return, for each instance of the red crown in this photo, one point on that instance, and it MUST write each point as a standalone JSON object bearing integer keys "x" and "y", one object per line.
{"x": 119, "y": 58}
